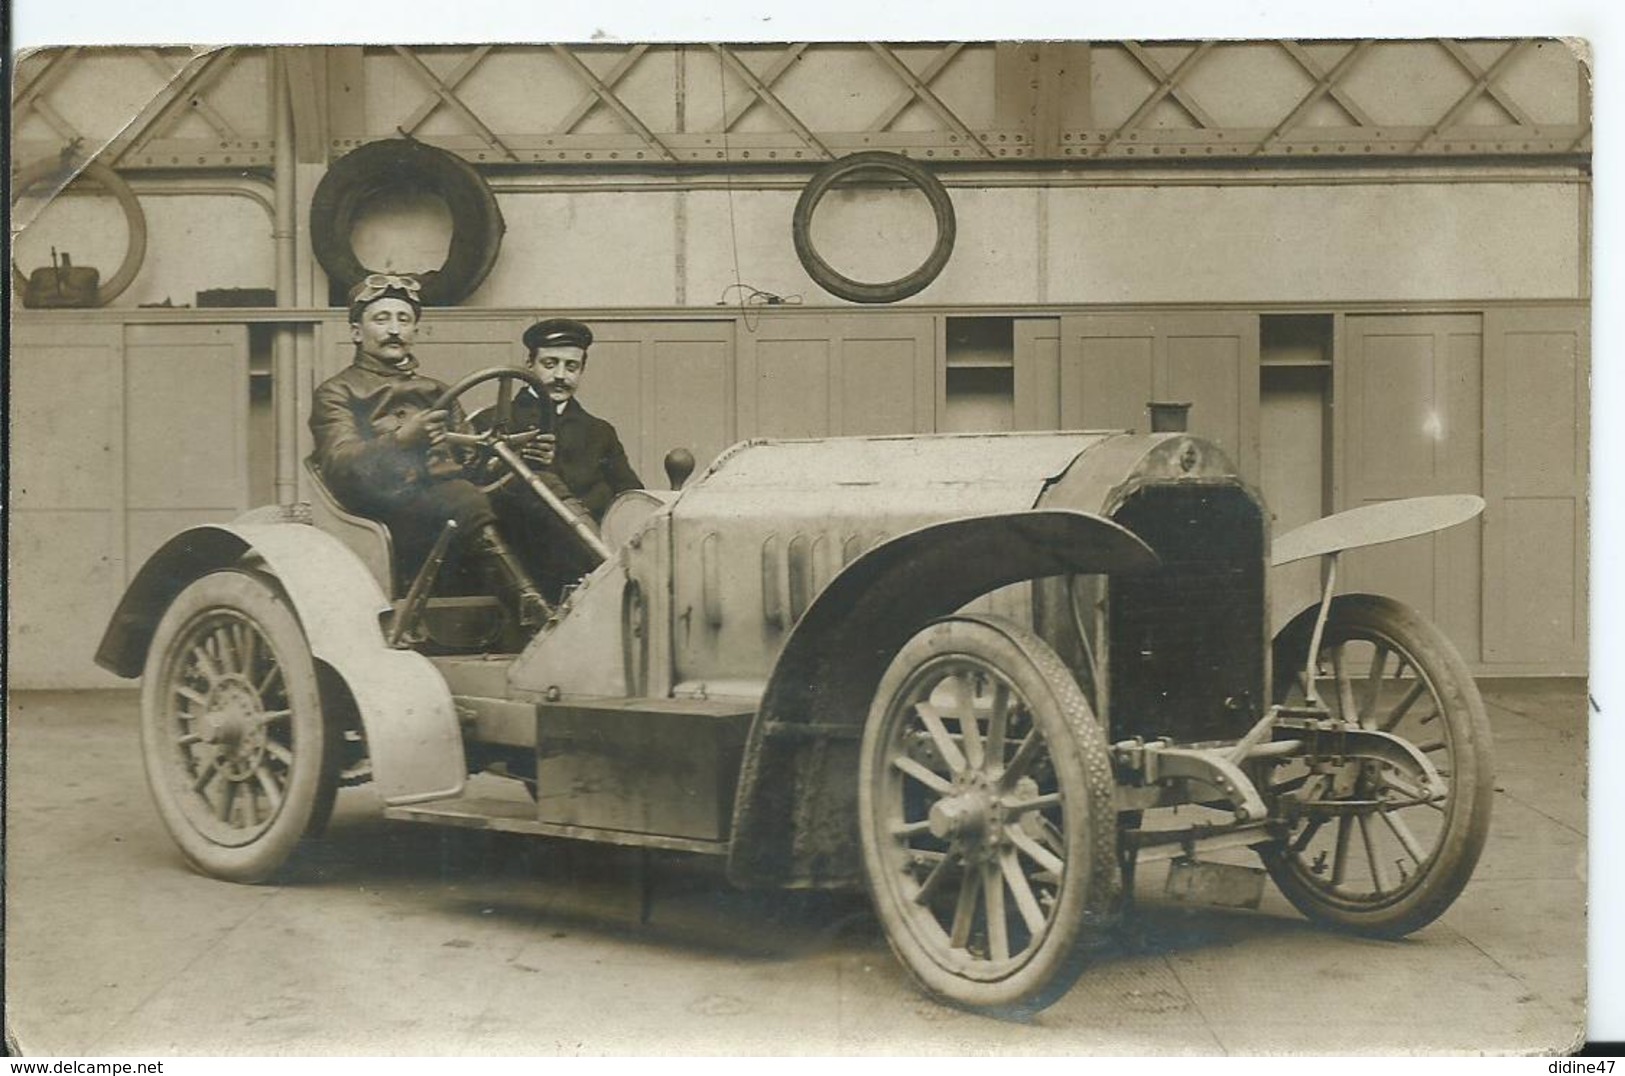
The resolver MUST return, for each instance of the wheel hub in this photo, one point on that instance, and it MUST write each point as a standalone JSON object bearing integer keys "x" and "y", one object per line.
{"x": 973, "y": 818}
{"x": 235, "y": 724}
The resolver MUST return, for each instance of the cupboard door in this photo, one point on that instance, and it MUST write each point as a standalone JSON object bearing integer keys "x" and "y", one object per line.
{"x": 120, "y": 438}
{"x": 1536, "y": 433}
{"x": 1411, "y": 396}
{"x": 664, "y": 385}
{"x": 835, "y": 375}
{"x": 65, "y": 556}
{"x": 1112, "y": 365}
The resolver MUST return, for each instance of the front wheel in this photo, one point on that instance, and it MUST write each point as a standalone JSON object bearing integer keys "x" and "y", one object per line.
{"x": 237, "y": 755}
{"x": 1367, "y": 850}
{"x": 985, "y": 807}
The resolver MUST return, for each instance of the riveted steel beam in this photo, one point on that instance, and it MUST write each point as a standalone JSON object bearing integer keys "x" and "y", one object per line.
{"x": 1500, "y": 96}
{"x": 775, "y": 70}
{"x": 929, "y": 99}
{"x": 768, "y": 98}
{"x": 1480, "y": 87}
{"x": 927, "y": 75}
{"x": 210, "y": 114}
{"x": 1333, "y": 78}
{"x": 185, "y": 91}
{"x": 464, "y": 68}
{"x": 1175, "y": 90}
{"x": 416, "y": 65}
{"x": 1166, "y": 85}
{"x": 573, "y": 63}
{"x": 589, "y": 101}
{"x": 32, "y": 94}
{"x": 1325, "y": 85}
{"x": 49, "y": 71}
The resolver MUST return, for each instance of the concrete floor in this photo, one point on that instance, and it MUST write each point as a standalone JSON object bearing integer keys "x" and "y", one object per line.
{"x": 391, "y": 938}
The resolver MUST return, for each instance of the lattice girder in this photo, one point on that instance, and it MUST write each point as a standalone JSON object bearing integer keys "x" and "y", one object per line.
{"x": 615, "y": 105}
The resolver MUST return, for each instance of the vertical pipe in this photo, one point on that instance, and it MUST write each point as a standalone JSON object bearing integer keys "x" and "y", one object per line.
{"x": 285, "y": 384}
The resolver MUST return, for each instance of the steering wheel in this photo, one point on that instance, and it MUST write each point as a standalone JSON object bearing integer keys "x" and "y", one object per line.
{"x": 480, "y": 446}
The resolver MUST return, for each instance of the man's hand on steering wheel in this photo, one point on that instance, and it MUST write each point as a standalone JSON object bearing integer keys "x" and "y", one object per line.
{"x": 541, "y": 451}
{"x": 482, "y": 458}
{"x": 424, "y": 429}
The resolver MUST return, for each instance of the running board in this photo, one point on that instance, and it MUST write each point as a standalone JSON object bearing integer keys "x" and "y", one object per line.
{"x": 519, "y": 816}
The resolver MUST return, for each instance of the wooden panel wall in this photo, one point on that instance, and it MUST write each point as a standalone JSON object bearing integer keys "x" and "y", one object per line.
{"x": 1411, "y": 399}
{"x": 119, "y": 437}
{"x": 1536, "y": 437}
{"x": 1112, "y": 365}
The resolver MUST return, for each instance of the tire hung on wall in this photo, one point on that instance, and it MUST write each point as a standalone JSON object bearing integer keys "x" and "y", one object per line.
{"x": 837, "y": 283}
{"x": 403, "y": 165}
{"x": 134, "y": 253}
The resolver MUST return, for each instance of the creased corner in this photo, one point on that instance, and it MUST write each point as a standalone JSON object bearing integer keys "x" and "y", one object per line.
{"x": 39, "y": 185}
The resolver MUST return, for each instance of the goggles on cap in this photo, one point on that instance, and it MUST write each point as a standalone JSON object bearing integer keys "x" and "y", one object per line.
{"x": 374, "y": 285}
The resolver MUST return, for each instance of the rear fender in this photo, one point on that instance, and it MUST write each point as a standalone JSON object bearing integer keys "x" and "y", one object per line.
{"x": 795, "y": 813}
{"x": 406, "y": 710}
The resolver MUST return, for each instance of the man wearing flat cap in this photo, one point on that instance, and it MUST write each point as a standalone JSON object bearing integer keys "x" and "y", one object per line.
{"x": 381, "y": 447}
{"x": 583, "y": 451}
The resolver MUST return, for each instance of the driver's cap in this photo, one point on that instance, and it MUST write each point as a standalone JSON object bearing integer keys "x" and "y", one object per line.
{"x": 558, "y": 332}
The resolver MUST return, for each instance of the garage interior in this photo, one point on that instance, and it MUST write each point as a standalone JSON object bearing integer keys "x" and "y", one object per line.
{"x": 1364, "y": 262}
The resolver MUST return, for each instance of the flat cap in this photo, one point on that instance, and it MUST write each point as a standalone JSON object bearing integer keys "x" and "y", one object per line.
{"x": 558, "y": 332}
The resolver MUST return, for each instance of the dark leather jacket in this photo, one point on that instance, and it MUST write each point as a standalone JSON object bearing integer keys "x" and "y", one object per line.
{"x": 354, "y": 416}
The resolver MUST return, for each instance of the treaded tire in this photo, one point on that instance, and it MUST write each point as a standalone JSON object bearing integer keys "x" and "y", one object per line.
{"x": 1072, "y": 883}
{"x": 406, "y": 165}
{"x": 238, "y": 756}
{"x": 1461, "y": 731}
{"x": 837, "y": 283}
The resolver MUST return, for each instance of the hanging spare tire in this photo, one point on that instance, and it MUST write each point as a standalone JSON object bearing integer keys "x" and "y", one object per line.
{"x": 406, "y": 166}
{"x": 56, "y": 168}
{"x": 858, "y": 291}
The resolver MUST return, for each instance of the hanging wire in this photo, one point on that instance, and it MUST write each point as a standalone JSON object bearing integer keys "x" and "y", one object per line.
{"x": 728, "y": 182}
{"x": 751, "y": 297}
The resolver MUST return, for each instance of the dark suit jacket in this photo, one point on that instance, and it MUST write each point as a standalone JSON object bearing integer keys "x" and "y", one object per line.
{"x": 589, "y": 456}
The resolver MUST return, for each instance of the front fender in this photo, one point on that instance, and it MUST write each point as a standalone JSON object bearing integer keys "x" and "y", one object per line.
{"x": 793, "y": 815}
{"x": 406, "y": 710}
{"x": 1371, "y": 524}
{"x": 1374, "y": 524}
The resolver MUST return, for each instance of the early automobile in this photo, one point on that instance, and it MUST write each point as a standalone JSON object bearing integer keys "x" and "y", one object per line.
{"x": 792, "y": 663}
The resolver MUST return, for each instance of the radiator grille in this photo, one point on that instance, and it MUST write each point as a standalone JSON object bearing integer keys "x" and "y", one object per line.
{"x": 1187, "y": 641}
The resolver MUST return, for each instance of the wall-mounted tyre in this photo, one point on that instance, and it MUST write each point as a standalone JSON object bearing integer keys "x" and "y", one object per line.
{"x": 1369, "y": 851}
{"x": 239, "y": 760}
{"x": 403, "y": 165}
{"x": 135, "y": 251}
{"x": 858, "y": 291}
{"x": 986, "y": 819}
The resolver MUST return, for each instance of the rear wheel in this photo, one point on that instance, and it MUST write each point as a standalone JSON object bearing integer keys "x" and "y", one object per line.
{"x": 237, "y": 755}
{"x": 985, "y": 806}
{"x": 1367, "y": 851}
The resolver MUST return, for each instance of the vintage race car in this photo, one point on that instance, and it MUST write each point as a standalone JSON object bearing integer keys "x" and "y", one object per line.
{"x": 790, "y": 663}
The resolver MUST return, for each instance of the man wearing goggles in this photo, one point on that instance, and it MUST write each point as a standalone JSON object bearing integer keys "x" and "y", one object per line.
{"x": 380, "y": 446}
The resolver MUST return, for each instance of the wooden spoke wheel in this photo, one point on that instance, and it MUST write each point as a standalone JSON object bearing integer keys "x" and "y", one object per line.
{"x": 985, "y": 807}
{"x": 237, "y": 755}
{"x": 1369, "y": 849}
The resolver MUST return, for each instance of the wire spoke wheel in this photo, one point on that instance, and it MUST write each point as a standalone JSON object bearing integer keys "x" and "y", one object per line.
{"x": 232, "y": 731}
{"x": 1370, "y": 846}
{"x": 985, "y": 799}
